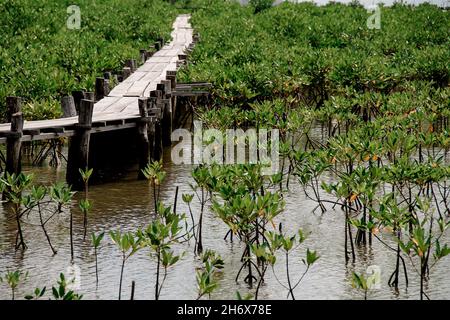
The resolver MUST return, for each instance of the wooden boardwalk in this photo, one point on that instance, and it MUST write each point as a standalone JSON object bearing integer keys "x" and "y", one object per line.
{"x": 119, "y": 109}
{"x": 145, "y": 99}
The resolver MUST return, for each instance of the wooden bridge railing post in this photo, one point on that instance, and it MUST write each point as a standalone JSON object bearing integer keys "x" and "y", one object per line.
{"x": 172, "y": 76}
{"x": 144, "y": 142}
{"x": 131, "y": 63}
{"x": 78, "y": 157}
{"x": 68, "y": 107}
{"x": 14, "y": 137}
{"x": 126, "y": 72}
{"x": 101, "y": 88}
{"x": 88, "y": 95}
{"x": 14, "y": 105}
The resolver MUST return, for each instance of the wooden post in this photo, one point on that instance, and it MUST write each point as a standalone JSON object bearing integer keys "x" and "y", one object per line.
{"x": 172, "y": 76}
{"x": 77, "y": 97}
{"x": 107, "y": 75}
{"x": 131, "y": 63}
{"x": 14, "y": 144}
{"x": 166, "y": 124}
{"x": 14, "y": 105}
{"x": 144, "y": 144}
{"x": 88, "y": 95}
{"x": 157, "y": 46}
{"x": 143, "y": 54}
{"x": 101, "y": 88}
{"x": 68, "y": 107}
{"x": 157, "y": 135}
{"x": 79, "y": 146}
{"x": 126, "y": 72}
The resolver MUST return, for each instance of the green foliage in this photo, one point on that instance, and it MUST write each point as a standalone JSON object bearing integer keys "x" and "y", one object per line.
{"x": 260, "y": 5}
{"x": 206, "y": 281}
{"x": 61, "y": 292}
{"x": 13, "y": 279}
{"x": 41, "y": 59}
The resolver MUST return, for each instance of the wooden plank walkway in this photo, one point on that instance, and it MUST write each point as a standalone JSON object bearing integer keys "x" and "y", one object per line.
{"x": 119, "y": 109}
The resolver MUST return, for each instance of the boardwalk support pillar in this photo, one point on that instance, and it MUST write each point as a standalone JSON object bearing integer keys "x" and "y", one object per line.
{"x": 156, "y": 109}
{"x": 166, "y": 122}
{"x": 144, "y": 143}
{"x": 14, "y": 142}
{"x": 79, "y": 146}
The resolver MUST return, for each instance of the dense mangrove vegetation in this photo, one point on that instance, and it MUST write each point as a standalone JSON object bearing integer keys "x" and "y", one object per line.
{"x": 363, "y": 121}
{"x": 41, "y": 59}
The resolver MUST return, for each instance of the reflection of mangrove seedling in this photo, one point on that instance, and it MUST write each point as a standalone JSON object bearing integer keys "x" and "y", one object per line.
{"x": 155, "y": 173}
{"x": 423, "y": 240}
{"x": 13, "y": 279}
{"x": 96, "y": 239}
{"x": 159, "y": 236}
{"x": 61, "y": 292}
{"x": 128, "y": 244}
{"x": 212, "y": 263}
{"x": 278, "y": 241}
{"x": 12, "y": 186}
{"x": 84, "y": 204}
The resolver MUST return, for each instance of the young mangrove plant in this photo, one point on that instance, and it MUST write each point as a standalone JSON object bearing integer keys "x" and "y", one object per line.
{"x": 206, "y": 276}
{"x": 96, "y": 240}
{"x": 128, "y": 245}
{"x": 13, "y": 279}
{"x": 159, "y": 236}
{"x": 13, "y": 186}
{"x": 202, "y": 185}
{"x": 288, "y": 244}
{"x": 155, "y": 173}
{"x": 85, "y": 205}
{"x": 62, "y": 195}
{"x": 61, "y": 292}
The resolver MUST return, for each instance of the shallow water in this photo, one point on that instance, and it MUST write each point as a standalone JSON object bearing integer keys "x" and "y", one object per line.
{"x": 127, "y": 205}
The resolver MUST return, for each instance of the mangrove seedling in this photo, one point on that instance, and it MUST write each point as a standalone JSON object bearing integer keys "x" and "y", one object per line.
{"x": 37, "y": 294}
{"x": 206, "y": 281}
{"x": 61, "y": 292}
{"x": 159, "y": 236}
{"x": 84, "y": 204}
{"x": 61, "y": 194}
{"x": 13, "y": 279}
{"x": 155, "y": 173}
{"x": 277, "y": 241}
{"x": 128, "y": 244}
{"x": 96, "y": 239}
{"x": 13, "y": 185}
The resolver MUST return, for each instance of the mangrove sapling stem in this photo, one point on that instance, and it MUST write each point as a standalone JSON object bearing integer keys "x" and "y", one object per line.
{"x": 291, "y": 290}
{"x": 175, "y": 200}
{"x": 96, "y": 267}
{"x": 121, "y": 274}
{"x": 45, "y": 231}
{"x": 21, "y": 242}
{"x": 261, "y": 280}
{"x": 158, "y": 263}
{"x": 133, "y": 285}
{"x": 71, "y": 235}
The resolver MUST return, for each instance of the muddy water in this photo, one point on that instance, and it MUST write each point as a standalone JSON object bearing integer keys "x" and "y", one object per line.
{"x": 127, "y": 205}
